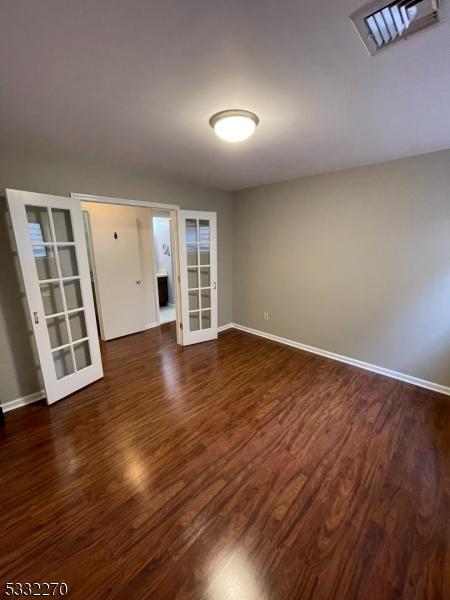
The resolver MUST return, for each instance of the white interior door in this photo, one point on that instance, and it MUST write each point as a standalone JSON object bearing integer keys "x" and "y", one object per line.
{"x": 122, "y": 257}
{"x": 198, "y": 275}
{"x": 53, "y": 257}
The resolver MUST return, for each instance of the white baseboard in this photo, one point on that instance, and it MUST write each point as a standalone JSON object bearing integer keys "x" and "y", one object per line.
{"x": 225, "y": 327}
{"x": 151, "y": 325}
{"x": 18, "y": 402}
{"x": 429, "y": 385}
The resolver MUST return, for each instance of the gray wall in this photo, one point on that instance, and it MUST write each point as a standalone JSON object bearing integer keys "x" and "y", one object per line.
{"x": 355, "y": 262}
{"x": 60, "y": 174}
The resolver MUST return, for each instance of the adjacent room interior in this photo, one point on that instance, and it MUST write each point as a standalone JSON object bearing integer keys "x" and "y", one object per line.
{"x": 224, "y": 300}
{"x": 162, "y": 245}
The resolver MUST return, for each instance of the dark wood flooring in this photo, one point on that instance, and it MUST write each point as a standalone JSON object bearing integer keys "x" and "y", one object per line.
{"x": 232, "y": 470}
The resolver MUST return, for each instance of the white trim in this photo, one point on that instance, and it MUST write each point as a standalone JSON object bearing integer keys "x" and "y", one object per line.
{"x": 151, "y": 325}
{"x": 111, "y": 200}
{"x": 174, "y": 242}
{"x": 155, "y": 270}
{"x": 429, "y": 385}
{"x": 225, "y": 327}
{"x": 90, "y": 250}
{"x": 23, "y": 401}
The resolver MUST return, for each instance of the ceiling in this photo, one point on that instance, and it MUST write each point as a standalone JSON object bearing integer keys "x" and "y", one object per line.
{"x": 137, "y": 80}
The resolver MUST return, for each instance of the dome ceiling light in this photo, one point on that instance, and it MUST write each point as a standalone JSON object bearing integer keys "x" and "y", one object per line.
{"x": 234, "y": 125}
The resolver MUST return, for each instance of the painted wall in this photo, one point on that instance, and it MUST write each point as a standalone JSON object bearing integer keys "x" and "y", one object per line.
{"x": 161, "y": 235}
{"x": 125, "y": 307}
{"x": 355, "y": 262}
{"x": 57, "y": 173}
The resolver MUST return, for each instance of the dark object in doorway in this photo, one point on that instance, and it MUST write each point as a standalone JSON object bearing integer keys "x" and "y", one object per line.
{"x": 163, "y": 290}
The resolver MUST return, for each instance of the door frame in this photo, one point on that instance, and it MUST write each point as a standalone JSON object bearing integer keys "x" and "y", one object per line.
{"x": 175, "y": 273}
{"x": 173, "y": 209}
{"x": 91, "y": 258}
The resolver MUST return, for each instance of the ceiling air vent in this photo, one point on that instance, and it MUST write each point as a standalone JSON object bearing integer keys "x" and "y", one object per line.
{"x": 381, "y": 24}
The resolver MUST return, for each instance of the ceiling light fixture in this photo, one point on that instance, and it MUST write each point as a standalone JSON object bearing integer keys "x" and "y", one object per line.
{"x": 234, "y": 125}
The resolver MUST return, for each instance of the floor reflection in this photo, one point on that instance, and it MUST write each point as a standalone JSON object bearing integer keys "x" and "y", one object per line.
{"x": 233, "y": 577}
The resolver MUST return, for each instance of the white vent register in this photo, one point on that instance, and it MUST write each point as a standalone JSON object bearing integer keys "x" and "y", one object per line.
{"x": 381, "y": 24}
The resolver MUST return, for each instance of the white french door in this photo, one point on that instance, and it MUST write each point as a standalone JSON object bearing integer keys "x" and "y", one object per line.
{"x": 53, "y": 257}
{"x": 198, "y": 275}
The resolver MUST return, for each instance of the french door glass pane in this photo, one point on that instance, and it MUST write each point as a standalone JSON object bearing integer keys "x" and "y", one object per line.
{"x": 45, "y": 263}
{"x": 72, "y": 293}
{"x": 204, "y": 241}
{"x": 204, "y": 255}
{"x": 38, "y": 224}
{"x": 57, "y": 331}
{"x": 205, "y": 277}
{"x": 206, "y": 319}
{"x": 193, "y": 279}
{"x": 51, "y": 298}
{"x": 193, "y": 300}
{"x": 63, "y": 362}
{"x": 191, "y": 231}
{"x": 194, "y": 321}
{"x": 206, "y": 298}
{"x": 82, "y": 355}
{"x": 204, "y": 231}
{"x": 77, "y": 323}
{"x": 68, "y": 261}
{"x": 192, "y": 254}
{"x": 63, "y": 225}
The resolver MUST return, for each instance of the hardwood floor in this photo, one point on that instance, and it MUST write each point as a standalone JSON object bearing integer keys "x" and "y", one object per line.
{"x": 238, "y": 469}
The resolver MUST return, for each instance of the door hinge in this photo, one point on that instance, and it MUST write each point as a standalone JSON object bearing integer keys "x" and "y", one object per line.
{"x": 181, "y": 325}
{"x": 36, "y": 318}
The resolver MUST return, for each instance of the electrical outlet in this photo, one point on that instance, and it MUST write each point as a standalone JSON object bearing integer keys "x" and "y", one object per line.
{"x": 266, "y": 316}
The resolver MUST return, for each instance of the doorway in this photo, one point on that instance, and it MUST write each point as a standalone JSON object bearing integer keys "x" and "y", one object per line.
{"x": 52, "y": 245}
{"x": 163, "y": 264}
{"x": 133, "y": 288}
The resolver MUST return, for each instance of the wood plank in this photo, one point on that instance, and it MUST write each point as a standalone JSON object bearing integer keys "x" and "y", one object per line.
{"x": 238, "y": 462}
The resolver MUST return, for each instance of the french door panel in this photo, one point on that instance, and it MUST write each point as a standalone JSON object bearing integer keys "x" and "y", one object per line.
{"x": 198, "y": 275}
{"x": 53, "y": 258}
